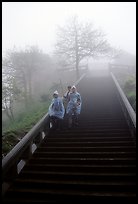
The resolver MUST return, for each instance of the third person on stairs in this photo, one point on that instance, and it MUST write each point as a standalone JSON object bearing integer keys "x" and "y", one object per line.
{"x": 73, "y": 107}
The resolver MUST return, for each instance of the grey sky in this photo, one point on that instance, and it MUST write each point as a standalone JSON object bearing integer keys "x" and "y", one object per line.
{"x": 34, "y": 23}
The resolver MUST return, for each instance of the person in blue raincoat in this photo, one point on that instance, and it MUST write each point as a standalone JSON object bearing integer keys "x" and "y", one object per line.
{"x": 74, "y": 107}
{"x": 56, "y": 111}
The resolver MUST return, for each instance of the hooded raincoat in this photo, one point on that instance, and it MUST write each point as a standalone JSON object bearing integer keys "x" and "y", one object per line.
{"x": 74, "y": 104}
{"x": 56, "y": 108}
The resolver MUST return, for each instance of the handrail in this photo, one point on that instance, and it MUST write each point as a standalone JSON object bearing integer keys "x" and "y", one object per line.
{"x": 129, "y": 113}
{"x": 121, "y": 65}
{"x": 126, "y": 102}
{"x": 22, "y": 145}
{"x": 83, "y": 75}
{"x": 23, "y": 149}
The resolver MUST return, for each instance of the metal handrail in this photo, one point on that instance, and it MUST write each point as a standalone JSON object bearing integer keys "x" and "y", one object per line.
{"x": 127, "y": 108}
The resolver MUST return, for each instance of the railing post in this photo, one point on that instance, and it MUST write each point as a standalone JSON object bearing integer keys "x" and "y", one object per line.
{"x": 28, "y": 152}
{"x": 47, "y": 127}
{"x": 38, "y": 139}
{"x": 11, "y": 173}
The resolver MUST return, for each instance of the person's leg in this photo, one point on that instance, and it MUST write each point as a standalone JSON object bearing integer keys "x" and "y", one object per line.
{"x": 69, "y": 115}
{"x": 60, "y": 124}
{"x": 64, "y": 121}
{"x": 54, "y": 122}
{"x": 76, "y": 119}
{"x": 69, "y": 120}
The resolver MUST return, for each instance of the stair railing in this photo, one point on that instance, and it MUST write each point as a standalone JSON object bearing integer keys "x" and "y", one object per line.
{"x": 128, "y": 111}
{"x": 22, "y": 152}
{"x": 15, "y": 160}
{"x": 77, "y": 82}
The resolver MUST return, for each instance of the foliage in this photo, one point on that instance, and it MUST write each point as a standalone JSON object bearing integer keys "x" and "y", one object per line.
{"x": 10, "y": 91}
{"x": 132, "y": 99}
{"x": 19, "y": 72}
{"x": 130, "y": 90}
{"x": 55, "y": 86}
{"x": 126, "y": 76}
{"x": 130, "y": 84}
{"x": 21, "y": 125}
{"x": 45, "y": 97}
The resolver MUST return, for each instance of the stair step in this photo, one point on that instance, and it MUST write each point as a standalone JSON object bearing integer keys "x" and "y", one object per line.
{"x": 90, "y": 120}
{"x": 91, "y": 168}
{"x": 77, "y": 176}
{"x": 74, "y": 185}
{"x": 82, "y": 161}
{"x": 88, "y": 149}
{"x": 78, "y": 130}
{"x": 95, "y": 197}
{"x": 89, "y": 134}
{"x": 103, "y": 125}
{"x": 84, "y": 154}
{"x": 65, "y": 194}
{"x": 88, "y": 144}
{"x": 90, "y": 139}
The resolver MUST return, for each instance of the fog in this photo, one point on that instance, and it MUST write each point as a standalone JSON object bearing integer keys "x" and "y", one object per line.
{"x": 47, "y": 46}
{"x": 35, "y": 23}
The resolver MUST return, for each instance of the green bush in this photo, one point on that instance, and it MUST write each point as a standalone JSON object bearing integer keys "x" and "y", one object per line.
{"x": 130, "y": 90}
{"x": 45, "y": 97}
{"x": 23, "y": 123}
{"x": 130, "y": 84}
{"x": 132, "y": 98}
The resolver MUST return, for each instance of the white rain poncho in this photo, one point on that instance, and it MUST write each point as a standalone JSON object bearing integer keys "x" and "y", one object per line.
{"x": 56, "y": 108}
{"x": 74, "y": 103}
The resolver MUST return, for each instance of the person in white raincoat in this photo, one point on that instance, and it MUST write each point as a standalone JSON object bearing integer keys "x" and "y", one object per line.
{"x": 73, "y": 107}
{"x": 56, "y": 111}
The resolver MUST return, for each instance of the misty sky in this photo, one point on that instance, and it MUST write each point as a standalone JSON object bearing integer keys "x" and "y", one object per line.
{"x": 34, "y": 23}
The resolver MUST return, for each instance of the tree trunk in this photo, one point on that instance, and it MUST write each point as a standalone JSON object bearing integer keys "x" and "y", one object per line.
{"x": 77, "y": 56}
{"x": 25, "y": 91}
{"x": 11, "y": 112}
{"x": 8, "y": 114}
{"x": 11, "y": 109}
{"x": 77, "y": 69}
{"x": 30, "y": 87}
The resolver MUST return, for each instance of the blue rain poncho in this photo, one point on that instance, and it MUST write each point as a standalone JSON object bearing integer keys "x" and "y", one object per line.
{"x": 74, "y": 104}
{"x": 56, "y": 108}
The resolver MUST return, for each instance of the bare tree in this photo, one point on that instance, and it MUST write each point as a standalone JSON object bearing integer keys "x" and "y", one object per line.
{"x": 10, "y": 91}
{"x": 22, "y": 65}
{"x": 30, "y": 69}
{"x": 76, "y": 41}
